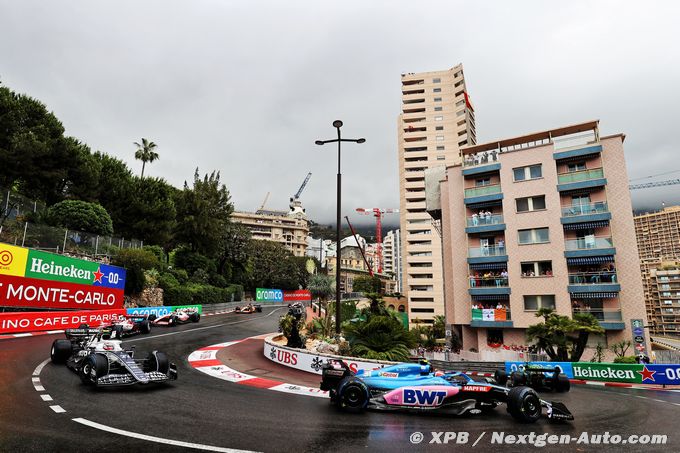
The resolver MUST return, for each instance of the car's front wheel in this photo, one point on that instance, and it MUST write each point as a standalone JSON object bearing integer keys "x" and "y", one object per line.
{"x": 524, "y": 404}
{"x": 353, "y": 395}
{"x": 158, "y": 361}
{"x": 61, "y": 351}
{"x": 145, "y": 326}
{"x": 94, "y": 366}
{"x": 562, "y": 383}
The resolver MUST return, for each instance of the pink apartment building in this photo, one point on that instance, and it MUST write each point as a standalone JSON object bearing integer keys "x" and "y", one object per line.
{"x": 541, "y": 220}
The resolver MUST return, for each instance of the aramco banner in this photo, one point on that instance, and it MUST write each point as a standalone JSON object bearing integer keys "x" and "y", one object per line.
{"x": 277, "y": 295}
{"x": 36, "y": 279}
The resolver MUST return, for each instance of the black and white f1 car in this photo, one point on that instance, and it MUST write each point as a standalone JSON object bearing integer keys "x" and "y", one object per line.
{"x": 179, "y": 316}
{"x": 131, "y": 324}
{"x": 414, "y": 386}
{"x": 535, "y": 376}
{"x": 97, "y": 357}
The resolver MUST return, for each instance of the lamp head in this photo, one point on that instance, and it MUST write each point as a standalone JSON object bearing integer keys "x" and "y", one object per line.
{"x": 319, "y": 142}
{"x": 361, "y": 140}
{"x": 337, "y": 124}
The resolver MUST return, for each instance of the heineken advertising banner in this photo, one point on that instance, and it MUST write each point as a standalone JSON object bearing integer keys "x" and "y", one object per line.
{"x": 162, "y": 311}
{"x": 659, "y": 374}
{"x": 36, "y": 279}
{"x": 55, "y": 320}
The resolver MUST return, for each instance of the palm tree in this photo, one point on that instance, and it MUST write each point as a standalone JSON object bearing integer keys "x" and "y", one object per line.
{"x": 145, "y": 152}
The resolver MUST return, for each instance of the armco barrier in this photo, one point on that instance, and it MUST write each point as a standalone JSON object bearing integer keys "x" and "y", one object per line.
{"x": 311, "y": 362}
{"x": 659, "y": 374}
{"x": 14, "y": 322}
{"x": 160, "y": 311}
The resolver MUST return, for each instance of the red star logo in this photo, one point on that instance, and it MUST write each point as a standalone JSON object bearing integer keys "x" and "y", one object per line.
{"x": 98, "y": 276}
{"x": 647, "y": 374}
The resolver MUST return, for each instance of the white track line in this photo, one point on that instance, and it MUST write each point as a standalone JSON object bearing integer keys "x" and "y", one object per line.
{"x": 159, "y": 440}
{"x": 40, "y": 367}
{"x": 46, "y": 397}
{"x": 58, "y": 409}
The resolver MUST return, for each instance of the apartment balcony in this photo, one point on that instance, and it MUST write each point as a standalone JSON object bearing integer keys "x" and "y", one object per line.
{"x": 600, "y": 282}
{"x": 476, "y": 224}
{"x": 490, "y": 254}
{"x": 483, "y": 194}
{"x": 493, "y": 318}
{"x": 476, "y": 167}
{"x": 581, "y": 179}
{"x": 585, "y": 213}
{"x": 609, "y": 318}
{"x": 583, "y": 150}
{"x": 589, "y": 246}
{"x": 489, "y": 286}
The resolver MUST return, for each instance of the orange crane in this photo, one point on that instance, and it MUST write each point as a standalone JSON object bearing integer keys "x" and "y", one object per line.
{"x": 378, "y": 214}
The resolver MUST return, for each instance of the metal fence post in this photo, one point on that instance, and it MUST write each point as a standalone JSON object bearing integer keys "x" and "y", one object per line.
{"x": 23, "y": 240}
{"x": 65, "y": 235}
{"x": 96, "y": 245}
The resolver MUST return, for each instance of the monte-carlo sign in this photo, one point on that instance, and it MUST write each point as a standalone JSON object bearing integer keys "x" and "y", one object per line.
{"x": 36, "y": 279}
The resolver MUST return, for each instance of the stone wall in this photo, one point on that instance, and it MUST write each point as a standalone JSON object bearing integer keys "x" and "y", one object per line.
{"x": 150, "y": 297}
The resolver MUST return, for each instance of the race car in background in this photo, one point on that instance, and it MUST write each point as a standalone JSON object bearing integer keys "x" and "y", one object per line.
{"x": 250, "y": 308}
{"x": 539, "y": 378}
{"x": 130, "y": 324}
{"x": 97, "y": 357}
{"x": 179, "y": 316}
{"x": 415, "y": 387}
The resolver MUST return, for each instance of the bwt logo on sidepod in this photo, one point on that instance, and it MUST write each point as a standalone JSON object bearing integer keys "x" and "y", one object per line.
{"x": 415, "y": 397}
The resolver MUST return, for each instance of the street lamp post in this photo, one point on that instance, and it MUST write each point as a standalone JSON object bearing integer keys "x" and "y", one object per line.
{"x": 337, "y": 124}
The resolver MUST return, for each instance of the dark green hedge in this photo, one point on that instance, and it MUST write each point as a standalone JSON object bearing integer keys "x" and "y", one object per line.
{"x": 201, "y": 294}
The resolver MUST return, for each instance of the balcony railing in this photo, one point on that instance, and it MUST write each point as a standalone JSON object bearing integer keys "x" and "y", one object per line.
{"x": 585, "y": 209}
{"x": 488, "y": 282}
{"x": 491, "y": 250}
{"x": 483, "y": 190}
{"x": 589, "y": 242}
{"x": 473, "y": 160}
{"x": 491, "y": 314}
{"x": 601, "y": 314}
{"x": 478, "y": 220}
{"x": 578, "y": 176}
{"x": 592, "y": 278}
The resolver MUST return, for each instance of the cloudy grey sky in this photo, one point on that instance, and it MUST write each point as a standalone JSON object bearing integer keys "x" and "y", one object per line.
{"x": 245, "y": 87}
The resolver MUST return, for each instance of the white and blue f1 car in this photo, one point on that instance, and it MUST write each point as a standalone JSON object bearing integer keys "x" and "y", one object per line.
{"x": 415, "y": 386}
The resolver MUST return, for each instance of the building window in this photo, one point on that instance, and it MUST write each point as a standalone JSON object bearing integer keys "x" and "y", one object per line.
{"x": 437, "y": 99}
{"x": 437, "y": 90}
{"x": 438, "y": 118}
{"x": 534, "y": 236}
{"x": 576, "y": 166}
{"x": 482, "y": 182}
{"x": 461, "y": 113}
{"x": 437, "y": 109}
{"x": 530, "y": 172}
{"x": 441, "y": 158}
{"x": 537, "y": 269}
{"x": 439, "y": 137}
{"x": 460, "y": 103}
{"x": 437, "y": 80}
{"x": 530, "y": 203}
{"x": 533, "y": 303}
{"x": 439, "y": 128}
{"x": 440, "y": 148}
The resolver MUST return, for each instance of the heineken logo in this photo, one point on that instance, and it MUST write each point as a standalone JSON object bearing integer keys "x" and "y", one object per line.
{"x": 603, "y": 372}
{"x": 39, "y": 266}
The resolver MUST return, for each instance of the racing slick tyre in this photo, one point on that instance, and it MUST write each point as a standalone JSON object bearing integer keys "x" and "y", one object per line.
{"x": 61, "y": 351}
{"x": 194, "y": 317}
{"x": 172, "y": 320}
{"x": 524, "y": 404}
{"x": 352, "y": 395}
{"x": 157, "y": 361}
{"x": 145, "y": 326}
{"x": 518, "y": 379}
{"x": 562, "y": 383}
{"x": 152, "y": 317}
{"x": 119, "y": 332}
{"x": 501, "y": 377}
{"x": 94, "y": 366}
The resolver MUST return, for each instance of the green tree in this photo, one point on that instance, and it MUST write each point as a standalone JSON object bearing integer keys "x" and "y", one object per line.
{"x": 81, "y": 216}
{"x": 233, "y": 249}
{"x": 203, "y": 213}
{"x": 272, "y": 266}
{"x": 151, "y": 213}
{"x": 562, "y": 338}
{"x": 83, "y": 173}
{"x": 380, "y": 338}
{"x": 135, "y": 261}
{"x": 145, "y": 152}
{"x": 367, "y": 284}
{"x": 115, "y": 191}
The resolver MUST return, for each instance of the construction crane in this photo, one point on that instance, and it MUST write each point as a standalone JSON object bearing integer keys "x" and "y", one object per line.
{"x": 647, "y": 185}
{"x": 264, "y": 202}
{"x": 294, "y": 200}
{"x": 378, "y": 214}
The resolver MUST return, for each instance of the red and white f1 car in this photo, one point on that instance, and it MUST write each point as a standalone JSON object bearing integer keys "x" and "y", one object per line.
{"x": 179, "y": 316}
{"x": 130, "y": 324}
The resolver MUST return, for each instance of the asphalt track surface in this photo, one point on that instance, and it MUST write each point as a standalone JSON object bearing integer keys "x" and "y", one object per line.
{"x": 209, "y": 412}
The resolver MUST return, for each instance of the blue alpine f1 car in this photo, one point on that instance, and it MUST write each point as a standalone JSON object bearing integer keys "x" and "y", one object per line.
{"x": 416, "y": 386}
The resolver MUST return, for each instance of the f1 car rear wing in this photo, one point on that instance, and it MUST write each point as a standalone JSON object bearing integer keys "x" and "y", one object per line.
{"x": 83, "y": 332}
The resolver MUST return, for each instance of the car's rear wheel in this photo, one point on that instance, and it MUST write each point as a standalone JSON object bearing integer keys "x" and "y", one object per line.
{"x": 501, "y": 377}
{"x": 195, "y": 317}
{"x": 562, "y": 383}
{"x": 172, "y": 320}
{"x": 353, "y": 395}
{"x": 94, "y": 366}
{"x": 152, "y": 317}
{"x": 61, "y": 351}
{"x": 118, "y": 331}
{"x": 518, "y": 379}
{"x": 158, "y": 361}
{"x": 145, "y": 326}
{"x": 524, "y": 404}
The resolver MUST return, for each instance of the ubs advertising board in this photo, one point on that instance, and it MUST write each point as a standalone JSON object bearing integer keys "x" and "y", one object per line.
{"x": 40, "y": 280}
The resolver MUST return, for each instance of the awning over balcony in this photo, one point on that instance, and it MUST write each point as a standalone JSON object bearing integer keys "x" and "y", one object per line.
{"x": 593, "y": 295}
{"x": 488, "y": 266}
{"x": 484, "y": 204}
{"x": 488, "y": 297}
{"x": 589, "y": 260}
{"x": 586, "y": 225}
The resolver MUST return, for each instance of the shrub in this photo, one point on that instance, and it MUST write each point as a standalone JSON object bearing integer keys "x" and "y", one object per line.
{"x": 192, "y": 261}
{"x": 167, "y": 281}
{"x": 200, "y": 276}
{"x": 82, "y": 216}
{"x": 181, "y": 275}
{"x": 177, "y": 295}
{"x": 626, "y": 359}
{"x": 136, "y": 261}
{"x": 158, "y": 251}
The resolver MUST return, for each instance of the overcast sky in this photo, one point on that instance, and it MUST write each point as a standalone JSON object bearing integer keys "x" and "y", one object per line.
{"x": 246, "y": 87}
